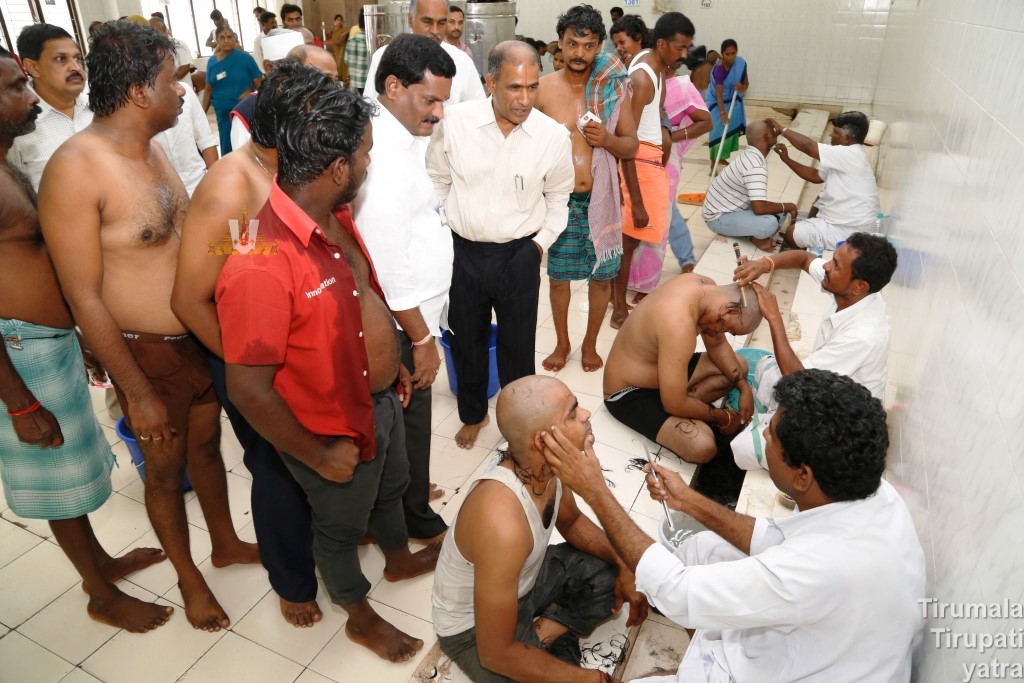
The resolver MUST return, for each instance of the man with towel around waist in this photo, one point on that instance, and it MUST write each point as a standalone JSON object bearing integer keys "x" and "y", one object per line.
{"x": 54, "y": 461}
{"x": 591, "y": 246}
{"x": 645, "y": 210}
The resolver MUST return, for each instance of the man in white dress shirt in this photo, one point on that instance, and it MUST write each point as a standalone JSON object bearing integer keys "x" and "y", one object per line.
{"x": 503, "y": 172}
{"x": 430, "y": 18}
{"x": 828, "y": 594}
{"x": 849, "y": 201}
{"x": 853, "y": 338}
{"x": 190, "y": 145}
{"x": 409, "y": 243}
{"x": 57, "y": 69}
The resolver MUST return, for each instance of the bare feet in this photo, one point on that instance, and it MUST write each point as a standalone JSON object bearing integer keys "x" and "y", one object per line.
{"x": 372, "y": 632}
{"x": 436, "y": 492}
{"x": 131, "y": 614}
{"x": 638, "y": 297}
{"x": 202, "y": 609}
{"x": 557, "y": 360}
{"x": 301, "y": 614}
{"x": 238, "y": 553}
{"x": 688, "y": 268}
{"x": 618, "y": 317}
{"x": 433, "y": 540}
{"x": 466, "y": 436}
{"x": 590, "y": 359}
{"x": 402, "y": 564}
{"x": 766, "y": 244}
{"x": 117, "y": 568}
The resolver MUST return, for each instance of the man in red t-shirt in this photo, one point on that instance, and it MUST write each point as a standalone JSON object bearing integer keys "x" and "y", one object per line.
{"x": 312, "y": 352}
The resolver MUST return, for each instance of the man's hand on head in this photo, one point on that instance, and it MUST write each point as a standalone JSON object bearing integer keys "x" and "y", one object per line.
{"x": 768, "y": 303}
{"x": 776, "y": 128}
{"x": 579, "y": 470}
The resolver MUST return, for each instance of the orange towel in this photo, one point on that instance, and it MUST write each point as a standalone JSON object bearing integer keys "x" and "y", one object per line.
{"x": 653, "y": 181}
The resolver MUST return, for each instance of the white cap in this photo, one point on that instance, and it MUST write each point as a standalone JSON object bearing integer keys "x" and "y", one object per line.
{"x": 276, "y": 47}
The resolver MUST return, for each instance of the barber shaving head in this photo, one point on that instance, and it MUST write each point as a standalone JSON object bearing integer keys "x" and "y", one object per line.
{"x": 849, "y": 128}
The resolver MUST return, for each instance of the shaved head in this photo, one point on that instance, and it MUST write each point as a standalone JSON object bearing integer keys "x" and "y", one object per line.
{"x": 527, "y": 406}
{"x": 316, "y": 57}
{"x": 750, "y": 314}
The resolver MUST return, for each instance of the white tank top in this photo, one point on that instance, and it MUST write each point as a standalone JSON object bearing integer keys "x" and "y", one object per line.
{"x": 452, "y": 596}
{"x": 648, "y": 128}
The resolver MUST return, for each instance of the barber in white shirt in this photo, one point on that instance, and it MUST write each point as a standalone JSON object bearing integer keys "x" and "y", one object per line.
{"x": 430, "y": 18}
{"x": 853, "y": 338}
{"x": 399, "y": 217}
{"x": 829, "y": 594}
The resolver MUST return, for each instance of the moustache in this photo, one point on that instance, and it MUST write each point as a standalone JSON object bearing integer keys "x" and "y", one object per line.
{"x": 34, "y": 112}
{"x": 74, "y": 77}
{"x": 432, "y": 119}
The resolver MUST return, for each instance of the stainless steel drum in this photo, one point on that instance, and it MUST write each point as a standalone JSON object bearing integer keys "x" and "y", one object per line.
{"x": 384, "y": 22}
{"x": 487, "y": 24}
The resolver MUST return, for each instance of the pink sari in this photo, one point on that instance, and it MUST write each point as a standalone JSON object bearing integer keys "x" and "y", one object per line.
{"x": 681, "y": 98}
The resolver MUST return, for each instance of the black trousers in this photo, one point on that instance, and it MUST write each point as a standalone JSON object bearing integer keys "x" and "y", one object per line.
{"x": 506, "y": 278}
{"x": 280, "y": 512}
{"x": 420, "y": 518}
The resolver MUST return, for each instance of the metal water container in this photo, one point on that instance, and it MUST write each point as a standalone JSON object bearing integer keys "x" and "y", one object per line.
{"x": 384, "y": 22}
{"x": 487, "y": 24}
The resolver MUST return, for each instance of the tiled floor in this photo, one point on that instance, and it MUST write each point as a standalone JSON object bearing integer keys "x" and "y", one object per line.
{"x": 45, "y": 634}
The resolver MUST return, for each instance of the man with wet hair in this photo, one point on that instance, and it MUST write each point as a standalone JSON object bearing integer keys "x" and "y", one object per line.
{"x": 312, "y": 356}
{"x": 107, "y": 238}
{"x": 503, "y": 172}
{"x": 56, "y": 68}
{"x": 831, "y": 593}
{"x": 590, "y": 248}
{"x": 409, "y": 243}
{"x": 849, "y": 201}
{"x": 853, "y": 338}
{"x": 658, "y": 384}
{"x": 508, "y": 605}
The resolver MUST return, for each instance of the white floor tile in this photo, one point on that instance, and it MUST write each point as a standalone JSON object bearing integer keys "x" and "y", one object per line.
{"x": 236, "y": 658}
{"x": 119, "y": 523}
{"x": 154, "y": 657}
{"x": 39, "y": 527}
{"x": 309, "y": 676}
{"x": 33, "y": 581}
{"x": 239, "y": 500}
{"x": 488, "y": 438}
{"x": 411, "y": 596}
{"x": 161, "y": 577}
{"x": 343, "y": 660}
{"x": 23, "y": 661}
{"x": 265, "y": 626}
{"x": 79, "y": 676}
{"x": 450, "y": 465}
{"x": 15, "y": 541}
{"x": 441, "y": 406}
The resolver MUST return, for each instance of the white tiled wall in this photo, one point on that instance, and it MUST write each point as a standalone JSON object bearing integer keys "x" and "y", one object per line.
{"x": 952, "y": 178}
{"x": 810, "y": 51}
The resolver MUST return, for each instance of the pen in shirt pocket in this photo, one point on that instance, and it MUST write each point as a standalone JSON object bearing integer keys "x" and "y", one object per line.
{"x": 519, "y": 182}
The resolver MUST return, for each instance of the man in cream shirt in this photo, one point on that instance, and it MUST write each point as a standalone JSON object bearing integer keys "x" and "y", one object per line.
{"x": 503, "y": 172}
{"x": 831, "y": 593}
{"x": 399, "y": 217}
{"x": 430, "y": 18}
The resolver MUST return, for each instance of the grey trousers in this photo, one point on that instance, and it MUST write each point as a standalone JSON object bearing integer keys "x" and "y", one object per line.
{"x": 372, "y": 500}
{"x": 573, "y": 588}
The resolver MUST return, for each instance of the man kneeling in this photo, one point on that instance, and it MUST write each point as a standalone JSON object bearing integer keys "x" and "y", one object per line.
{"x": 659, "y": 385}
{"x": 508, "y": 606}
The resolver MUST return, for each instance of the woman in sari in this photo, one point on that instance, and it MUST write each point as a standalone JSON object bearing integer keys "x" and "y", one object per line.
{"x": 687, "y": 118}
{"x": 729, "y": 78}
{"x": 231, "y": 75}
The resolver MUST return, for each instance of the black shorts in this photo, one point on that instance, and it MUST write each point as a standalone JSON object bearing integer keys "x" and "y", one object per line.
{"x": 641, "y": 409}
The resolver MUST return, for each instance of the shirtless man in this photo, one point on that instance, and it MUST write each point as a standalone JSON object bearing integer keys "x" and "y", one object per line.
{"x": 312, "y": 353}
{"x": 45, "y": 394}
{"x": 114, "y": 243}
{"x": 503, "y": 596}
{"x": 588, "y": 250}
{"x": 241, "y": 182}
{"x": 645, "y": 385}
{"x": 645, "y": 212}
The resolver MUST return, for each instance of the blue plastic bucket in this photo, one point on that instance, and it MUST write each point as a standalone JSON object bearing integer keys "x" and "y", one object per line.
{"x": 492, "y": 362}
{"x": 138, "y": 460}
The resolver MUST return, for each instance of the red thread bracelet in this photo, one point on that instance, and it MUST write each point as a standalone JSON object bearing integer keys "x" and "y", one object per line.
{"x": 31, "y": 409}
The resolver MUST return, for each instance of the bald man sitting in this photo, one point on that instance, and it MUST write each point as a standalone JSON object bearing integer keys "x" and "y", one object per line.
{"x": 507, "y": 605}
{"x": 658, "y": 385}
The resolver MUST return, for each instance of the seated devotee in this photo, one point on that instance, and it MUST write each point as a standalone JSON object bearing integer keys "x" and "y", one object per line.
{"x": 54, "y": 460}
{"x": 736, "y": 204}
{"x": 853, "y": 338}
{"x": 645, "y": 385}
{"x": 507, "y": 604}
{"x": 831, "y": 593}
{"x": 849, "y": 201}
